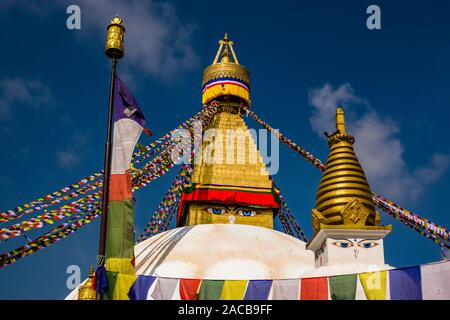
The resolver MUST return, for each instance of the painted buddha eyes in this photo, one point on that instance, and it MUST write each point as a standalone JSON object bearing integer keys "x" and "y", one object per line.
{"x": 343, "y": 244}
{"x": 362, "y": 244}
{"x": 368, "y": 244}
{"x": 241, "y": 212}
{"x": 216, "y": 210}
{"x": 247, "y": 213}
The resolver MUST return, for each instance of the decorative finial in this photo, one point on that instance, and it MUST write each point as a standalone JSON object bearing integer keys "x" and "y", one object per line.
{"x": 340, "y": 121}
{"x": 114, "y": 40}
{"x": 228, "y": 44}
{"x": 87, "y": 291}
{"x": 225, "y": 55}
{"x": 91, "y": 272}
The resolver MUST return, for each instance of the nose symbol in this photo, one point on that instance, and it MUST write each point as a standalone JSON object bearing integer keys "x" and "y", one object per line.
{"x": 355, "y": 252}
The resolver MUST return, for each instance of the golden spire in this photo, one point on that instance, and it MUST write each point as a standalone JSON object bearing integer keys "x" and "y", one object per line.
{"x": 227, "y": 67}
{"x": 87, "y": 290}
{"x": 344, "y": 197}
{"x": 114, "y": 40}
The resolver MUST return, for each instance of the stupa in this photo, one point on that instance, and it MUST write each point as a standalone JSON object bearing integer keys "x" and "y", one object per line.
{"x": 225, "y": 219}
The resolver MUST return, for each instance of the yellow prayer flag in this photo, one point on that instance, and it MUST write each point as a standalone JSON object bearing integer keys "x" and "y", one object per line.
{"x": 233, "y": 290}
{"x": 123, "y": 285}
{"x": 374, "y": 284}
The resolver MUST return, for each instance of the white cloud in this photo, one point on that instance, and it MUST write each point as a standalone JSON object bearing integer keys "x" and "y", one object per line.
{"x": 325, "y": 100}
{"x": 71, "y": 156}
{"x": 156, "y": 41}
{"x": 377, "y": 145}
{"x": 18, "y": 91}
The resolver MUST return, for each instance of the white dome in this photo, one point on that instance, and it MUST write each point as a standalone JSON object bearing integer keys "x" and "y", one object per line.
{"x": 223, "y": 252}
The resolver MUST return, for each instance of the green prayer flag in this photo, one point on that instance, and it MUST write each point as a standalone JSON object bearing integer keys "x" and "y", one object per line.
{"x": 211, "y": 289}
{"x": 343, "y": 287}
{"x": 120, "y": 240}
{"x": 111, "y": 278}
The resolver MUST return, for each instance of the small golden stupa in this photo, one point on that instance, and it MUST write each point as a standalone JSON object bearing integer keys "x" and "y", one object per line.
{"x": 344, "y": 199}
{"x": 87, "y": 290}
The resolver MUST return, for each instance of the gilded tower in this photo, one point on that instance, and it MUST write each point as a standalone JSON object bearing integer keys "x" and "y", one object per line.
{"x": 346, "y": 225}
{"x": 230, "y": 183}
{"x": 344, "y": 198}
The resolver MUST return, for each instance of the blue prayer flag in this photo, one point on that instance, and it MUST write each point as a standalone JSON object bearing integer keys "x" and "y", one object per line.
{"x": 258, "y": 290}
{"x": 140, "y": 287}
{"x": 405, "y": 284}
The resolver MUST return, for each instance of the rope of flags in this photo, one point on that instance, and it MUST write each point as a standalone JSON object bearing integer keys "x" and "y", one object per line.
{"x": 52, "y": 236}
{"x": 47, "y": 200}
{"x": 291, "y": 144}
{"x": 286, "y": 228}
{"x": 290, "y": 220}
{"x": 84, "y": 204}
{"x": 165, "y": 207}
{"x": 423, "y": 226}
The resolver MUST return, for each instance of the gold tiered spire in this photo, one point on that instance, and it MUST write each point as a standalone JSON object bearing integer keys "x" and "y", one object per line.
{"x": 230, "y": 183}
{"x": 344, "y": 197}
{"x": 233, "y": 77}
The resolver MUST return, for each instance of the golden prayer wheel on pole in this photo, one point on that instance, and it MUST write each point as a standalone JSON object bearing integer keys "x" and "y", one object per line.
{"x": 114, "y": 41}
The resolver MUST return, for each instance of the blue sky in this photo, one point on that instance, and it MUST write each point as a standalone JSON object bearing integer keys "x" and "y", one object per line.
{"x": 304, "y": 57}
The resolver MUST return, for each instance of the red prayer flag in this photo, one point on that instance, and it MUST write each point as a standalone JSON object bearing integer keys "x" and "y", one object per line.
{"x": 189, "y": 289}
{"x": 314, "y": 289}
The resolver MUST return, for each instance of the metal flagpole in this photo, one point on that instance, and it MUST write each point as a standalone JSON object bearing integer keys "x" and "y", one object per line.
{"x": 114, "y": 50}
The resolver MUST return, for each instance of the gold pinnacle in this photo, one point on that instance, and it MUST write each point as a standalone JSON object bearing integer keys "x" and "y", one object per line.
{"x": 340, "y": 121}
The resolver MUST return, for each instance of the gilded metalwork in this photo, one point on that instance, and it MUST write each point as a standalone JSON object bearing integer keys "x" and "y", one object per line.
{"x": 228, "y": 67}
{"x": 114, "y": 40}
{"x": 87, "y": 290}
{"x": 344, "y": 198}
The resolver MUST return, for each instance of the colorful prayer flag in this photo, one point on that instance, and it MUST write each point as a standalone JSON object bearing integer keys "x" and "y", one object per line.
{"x": 165, "y": 289}
{"x": 314, "y": 289}
{"x": 436, "y": 281}
{"x": 139, "y": 289}
{"x": 189, "y": 289}
{"x": 286, "y": 289}
{"x": 405, "y": 284}
{"x": 128, "y": 125}
{"x": 233, "y": 290}
{"x": 123, "y": 285}
{"x": 343, "y": 287}
{"x": 111, "y": 278}
{"x": 374, "y": 284}
{"x": 211, "y": 289}
{"x": 258, "y": 290}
